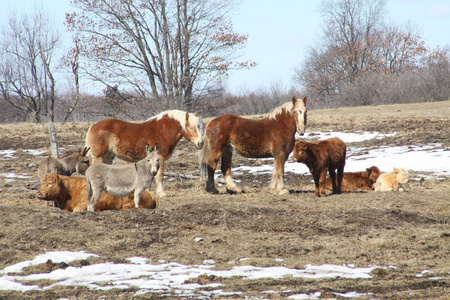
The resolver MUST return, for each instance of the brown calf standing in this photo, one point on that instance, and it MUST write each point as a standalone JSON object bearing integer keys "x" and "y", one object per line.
{"x": 353, "y": 181}
{"x": 320, "y": 157}
{"x": 71, "y": 195}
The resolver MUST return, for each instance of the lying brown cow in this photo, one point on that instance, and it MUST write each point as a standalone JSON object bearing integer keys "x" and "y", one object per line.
{"x": 70, "y": 193}
{"x": 353, "y": 181}
{"x": 320, "y": 157}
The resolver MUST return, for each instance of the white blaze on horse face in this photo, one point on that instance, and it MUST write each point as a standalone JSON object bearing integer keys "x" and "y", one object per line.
{"x": 300, "y": 117}
{"x": 195, "y": 136}
{"x": 192, "y": 130}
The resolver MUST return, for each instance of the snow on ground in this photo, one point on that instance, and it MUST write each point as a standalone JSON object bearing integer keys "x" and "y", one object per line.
{"x": 164, "y": 278}
{"x": 170, "y": 278}
{"x": 429, "y": 158}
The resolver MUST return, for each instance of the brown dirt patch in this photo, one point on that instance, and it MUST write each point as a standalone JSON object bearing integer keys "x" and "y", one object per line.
{"x": 408, "y": 230}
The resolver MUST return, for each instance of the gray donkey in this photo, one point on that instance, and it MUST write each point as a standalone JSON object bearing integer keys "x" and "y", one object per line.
{"x": 77, "y": 162}
{"x": 122, "y": 180}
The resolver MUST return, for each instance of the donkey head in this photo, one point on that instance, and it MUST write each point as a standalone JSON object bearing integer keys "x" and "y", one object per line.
{"x": 82, "y": 161}
{"x": 153, "y": 159}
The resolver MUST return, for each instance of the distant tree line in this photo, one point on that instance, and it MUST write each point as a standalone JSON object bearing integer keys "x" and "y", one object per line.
{"x": 149, "y": 56}
{"x": 361, "y": 60}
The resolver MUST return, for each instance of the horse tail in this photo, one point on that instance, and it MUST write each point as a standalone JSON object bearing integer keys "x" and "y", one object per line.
{"x": 205, "y": 154}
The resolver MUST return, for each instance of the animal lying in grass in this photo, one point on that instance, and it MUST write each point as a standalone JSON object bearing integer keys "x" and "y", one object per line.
{"x": 70, "y": 194}
{"x": 320, "y": 157}
{"x": 77, "y": 162}
{"x": 122, "y": 180}
{"x": 353, "y": 181}
{"x": 392, "y": 181}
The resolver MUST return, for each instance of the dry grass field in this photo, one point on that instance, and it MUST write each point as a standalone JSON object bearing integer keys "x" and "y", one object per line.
{"x": 406, "y": 232}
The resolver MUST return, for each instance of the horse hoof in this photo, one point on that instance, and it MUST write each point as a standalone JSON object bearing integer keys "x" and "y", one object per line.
{"x": 282, "y": 192}
{"x": 234, "y": 191}
{"x": 213, "y": 190}
{"x": 161, "y": 194}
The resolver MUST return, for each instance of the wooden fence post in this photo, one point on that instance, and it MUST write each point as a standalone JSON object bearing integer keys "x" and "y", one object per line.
{"x": 53, "y": 140}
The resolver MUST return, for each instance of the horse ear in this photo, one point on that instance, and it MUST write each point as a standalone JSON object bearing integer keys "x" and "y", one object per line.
{"x": 294, "y": 100}
{"x": 187, "y": 119}
{"x": 395, "y": 170}
{"x": 305, "y": 100}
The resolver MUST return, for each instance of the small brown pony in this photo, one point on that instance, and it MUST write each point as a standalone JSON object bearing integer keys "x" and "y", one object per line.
{"x": 272, "y": 136}
{"x": 116, "y": 138}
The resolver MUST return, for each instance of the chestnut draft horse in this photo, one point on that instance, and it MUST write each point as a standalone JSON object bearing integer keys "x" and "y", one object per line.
{"x": 273, "y": 136}
{"x": 116, "y": 138}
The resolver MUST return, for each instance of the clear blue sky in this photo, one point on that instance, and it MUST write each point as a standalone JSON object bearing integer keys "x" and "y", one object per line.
{"x": 280, "y": 32}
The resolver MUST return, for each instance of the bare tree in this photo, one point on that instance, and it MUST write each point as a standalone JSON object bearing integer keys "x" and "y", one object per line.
{"x": 27, "y": 82}
{"x": 356, "y": 47}
{"x": 168, "y": 51}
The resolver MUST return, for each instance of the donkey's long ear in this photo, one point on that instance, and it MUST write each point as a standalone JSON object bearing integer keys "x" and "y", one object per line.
{"x": 305, "y": 100}
{"x": 147, "y": 148}
{"x": 156, "y": 147}
{"x": 85, "y": 151}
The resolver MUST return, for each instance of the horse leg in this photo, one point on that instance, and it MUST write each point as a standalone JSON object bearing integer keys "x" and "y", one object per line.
{"x": 159, "y": 178}
{"x": 227, "y": 156}
{"x": 211, "y": 166}
{"x": 277, "y": 183}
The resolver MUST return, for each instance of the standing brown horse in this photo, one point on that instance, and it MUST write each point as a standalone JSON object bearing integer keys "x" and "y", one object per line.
{"x": 273, "y": 136}
{"x": 116, "y": 138}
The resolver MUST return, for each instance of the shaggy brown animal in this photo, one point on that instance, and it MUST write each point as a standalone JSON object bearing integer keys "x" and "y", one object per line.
{"x": 70, "y": 193}
{"x": 353, "y": 181}
{"x": 320, "y": 157}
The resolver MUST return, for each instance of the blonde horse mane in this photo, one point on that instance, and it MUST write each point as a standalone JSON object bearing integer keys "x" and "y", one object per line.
{"x": 288, "y": 107}
{"x": 179, "y": 116}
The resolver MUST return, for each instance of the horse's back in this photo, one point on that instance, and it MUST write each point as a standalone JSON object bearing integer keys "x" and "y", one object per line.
{"x": 258, "y": 138}
{"x": 113, "y": 137}
{"x": 108, "y": 126}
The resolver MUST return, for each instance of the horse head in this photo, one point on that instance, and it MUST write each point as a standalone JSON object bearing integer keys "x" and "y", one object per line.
{"x": 300, "y": 111}
{"x": 192, "y": 130}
